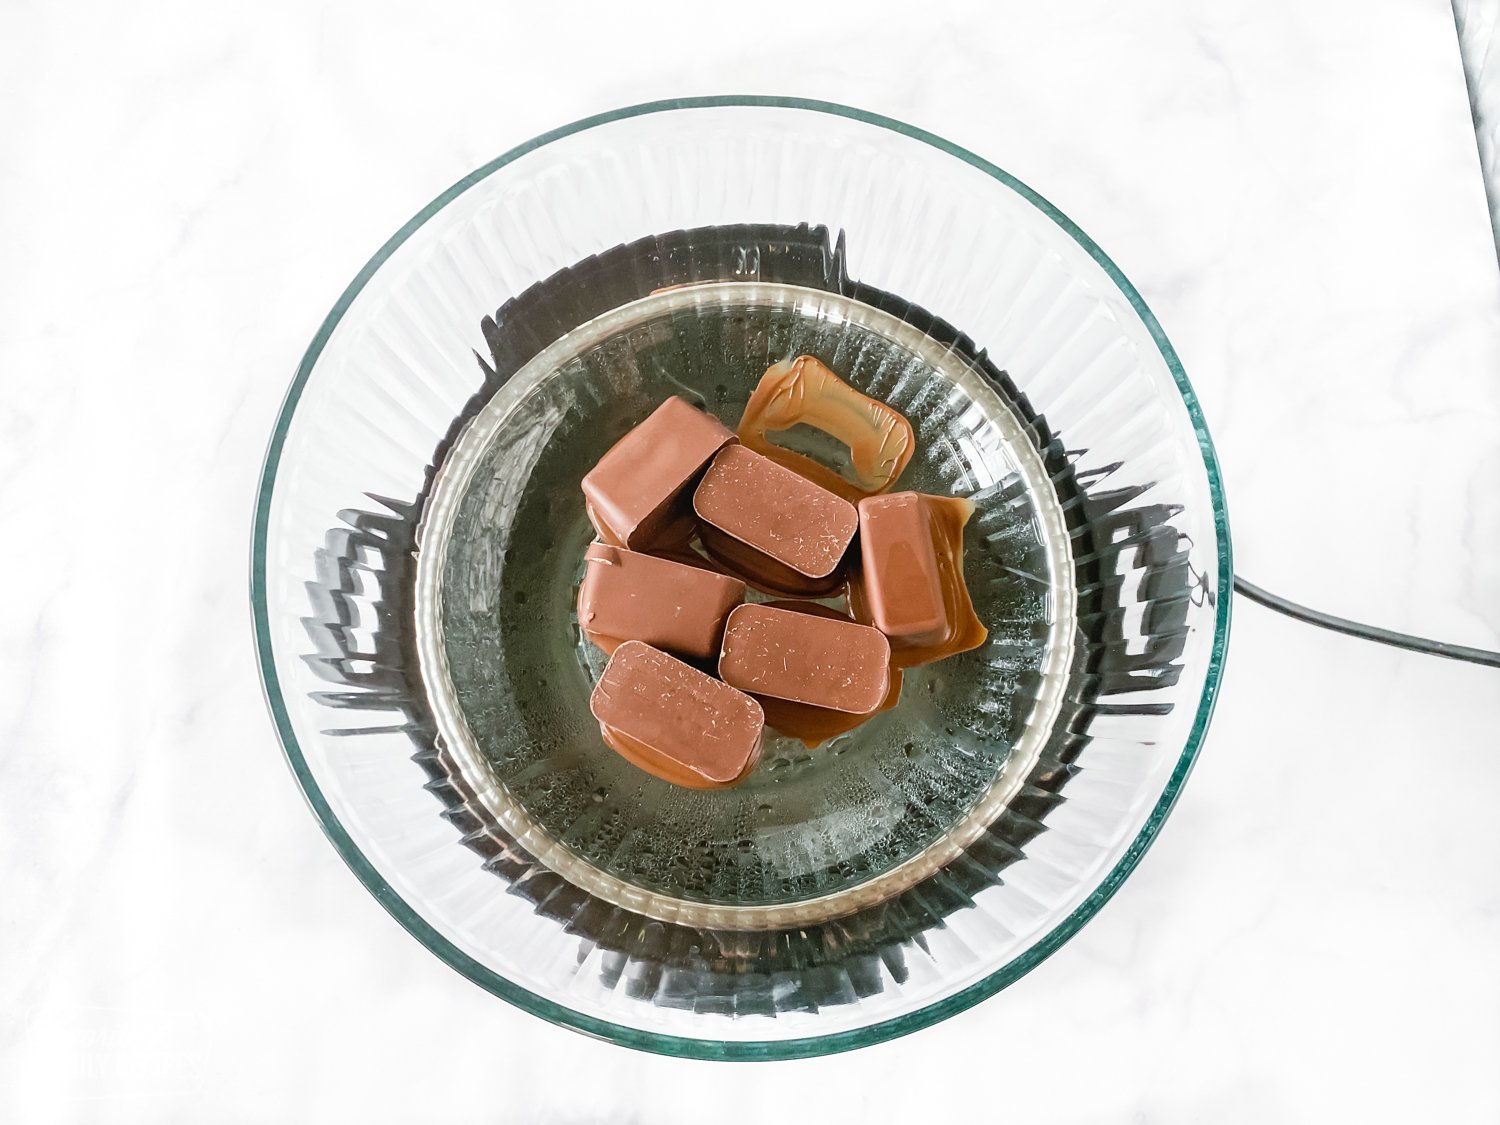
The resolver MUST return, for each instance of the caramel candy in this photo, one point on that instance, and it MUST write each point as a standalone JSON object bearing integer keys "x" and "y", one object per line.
{"x": 804, "y": 391}
{"x": 816, "y": 725}
{"x": 674, "y": 721}
{"x": 772, "y": 527}
{"x": 806, "y": 658}
{"x": 637, "y": 493}
{"x": 626, "y": 596}
{"x": 911, "y": 584}
{"x": 684, "y": 553}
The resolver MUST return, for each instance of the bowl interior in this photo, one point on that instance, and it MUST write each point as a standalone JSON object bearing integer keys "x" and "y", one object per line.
{"x": 501, "y": 561}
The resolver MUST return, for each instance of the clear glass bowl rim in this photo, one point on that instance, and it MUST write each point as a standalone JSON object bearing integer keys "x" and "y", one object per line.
{"x": 682, "y": 1046}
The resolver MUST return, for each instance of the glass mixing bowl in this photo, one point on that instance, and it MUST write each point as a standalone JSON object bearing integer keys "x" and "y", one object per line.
{"x": 418, "y": 544}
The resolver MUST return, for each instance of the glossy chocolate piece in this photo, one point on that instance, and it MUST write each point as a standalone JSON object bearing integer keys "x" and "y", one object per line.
{"x": 816, "y": 725}
{"x": 803, "y": 391}
{"x": 628, "y": 596}
{"x": 910, "y": 583}
{"x": 674, "y": 721}
{"x": 806, "y": 658}
{"x": 772, "y": 527}
{"x": 638, "y": 493}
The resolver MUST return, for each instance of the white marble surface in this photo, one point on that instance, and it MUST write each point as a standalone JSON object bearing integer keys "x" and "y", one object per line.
{"x": 184, "y": 190}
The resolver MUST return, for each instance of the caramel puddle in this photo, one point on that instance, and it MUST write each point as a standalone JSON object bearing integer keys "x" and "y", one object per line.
{"x": 669, "y": 769}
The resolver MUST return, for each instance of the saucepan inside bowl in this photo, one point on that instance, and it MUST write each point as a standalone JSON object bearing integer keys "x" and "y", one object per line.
{"x": 419, "y": 539}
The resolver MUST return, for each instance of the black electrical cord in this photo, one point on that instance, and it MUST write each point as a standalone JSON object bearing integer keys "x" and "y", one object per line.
{"x": 1365, "y": 632}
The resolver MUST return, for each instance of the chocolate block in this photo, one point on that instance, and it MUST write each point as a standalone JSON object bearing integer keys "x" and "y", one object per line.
{"x": 674, "y": 721}
{"x": 772, "y": 527}
{"x": 803, "y": 391}
{"x": 816, "y": 725}
{"x": 806, "y": 658}
{"x": 638, "y": 492}
{"x": 626, "y": 596}
{"x": 911, "y": 582}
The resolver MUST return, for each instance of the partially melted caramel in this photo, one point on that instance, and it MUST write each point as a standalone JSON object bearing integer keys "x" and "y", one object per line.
{"x": 962, "y": 631}
{"x": 674, "y": 720}
{"x": 804, "y": 391}
{"x": 816, "y": 725}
